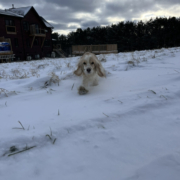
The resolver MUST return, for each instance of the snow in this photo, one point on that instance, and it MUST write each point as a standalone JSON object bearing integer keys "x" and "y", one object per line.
{"x": 21, "y": 11}
{"x": 127, "y": 127}
{"x": 8, "y": 13}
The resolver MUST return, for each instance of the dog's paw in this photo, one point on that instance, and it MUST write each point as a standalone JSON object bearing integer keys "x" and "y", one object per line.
{"x": 82, "y": 90}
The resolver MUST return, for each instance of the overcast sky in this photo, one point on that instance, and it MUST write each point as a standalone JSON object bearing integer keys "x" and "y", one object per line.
{"x": 68, "y": 15}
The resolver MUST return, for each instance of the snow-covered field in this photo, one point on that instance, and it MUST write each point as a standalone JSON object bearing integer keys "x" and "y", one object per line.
{"x": 126, "y": 128}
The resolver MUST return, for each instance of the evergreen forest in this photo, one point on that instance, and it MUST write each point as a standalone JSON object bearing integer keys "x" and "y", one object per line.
{"x": 128, "y": 35}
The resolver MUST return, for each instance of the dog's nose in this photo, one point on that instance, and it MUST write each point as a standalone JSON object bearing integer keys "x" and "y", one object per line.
{"x": 88, "y": 70}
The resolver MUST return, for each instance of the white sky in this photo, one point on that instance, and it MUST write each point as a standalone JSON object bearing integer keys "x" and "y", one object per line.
{"x": 67, "y": 16}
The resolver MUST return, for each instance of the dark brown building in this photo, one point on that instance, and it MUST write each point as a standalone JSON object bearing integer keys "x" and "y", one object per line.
{"x": 30, "y": 33}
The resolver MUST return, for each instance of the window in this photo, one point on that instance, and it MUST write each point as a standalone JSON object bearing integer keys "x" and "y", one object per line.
{"x": 11, "y": 29}
{"x": 10, "y": 26}
{"x": 47, "y": 42}
{"x": 37, "y": 28}
{"x": 16, "y": 42}
{"x": 34, "y": 29}
{"x": 10, "y": 22}
{"x": 25, "y": 26}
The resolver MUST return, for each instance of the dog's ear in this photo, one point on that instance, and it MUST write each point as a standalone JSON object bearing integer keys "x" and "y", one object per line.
{"x": 100, "y": 70}
{"x": 78, "y": 71}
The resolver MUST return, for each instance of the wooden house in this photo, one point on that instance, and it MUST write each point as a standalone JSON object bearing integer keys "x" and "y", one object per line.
{"x": 30, "y": 34}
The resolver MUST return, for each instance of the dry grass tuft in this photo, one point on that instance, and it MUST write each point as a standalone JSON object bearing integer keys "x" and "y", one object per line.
{"x": 53, "y": 79}
{"x": 4, "y": 91}
{"x": 131, "y": 63}
{"x": 16, "y": 72}
{"x": 34, "y": 72}
{"x": 102, "y": 58}
{"x": 42, "y": 66}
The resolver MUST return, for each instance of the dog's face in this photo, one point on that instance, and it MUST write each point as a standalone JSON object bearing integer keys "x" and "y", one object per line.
{"x": 89, "y": 65}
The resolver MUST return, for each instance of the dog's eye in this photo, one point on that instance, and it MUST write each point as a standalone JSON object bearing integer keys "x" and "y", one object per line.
{"x": 92, "y": 63}
{"x": 84, "y": 63}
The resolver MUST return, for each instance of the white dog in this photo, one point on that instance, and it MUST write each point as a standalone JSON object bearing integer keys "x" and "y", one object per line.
{"x": 90, "y": 68}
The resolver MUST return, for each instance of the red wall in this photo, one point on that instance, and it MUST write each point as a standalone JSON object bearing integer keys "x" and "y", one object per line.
{"x": 23, "y": 50}
{"x": 17, "y": 21}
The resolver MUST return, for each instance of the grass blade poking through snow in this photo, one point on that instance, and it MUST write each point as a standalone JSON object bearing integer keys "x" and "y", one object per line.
{"x": 106, "y": 115}
{"x": 21, "y": 126}
{"x": 72, "y": 87}
{"x": 54, "y": 141}
{"x": 22, "y": 151}
{"x": 163, "y": 97}
{"x": 152, "y": 91}
{"x": 51, "y": 137}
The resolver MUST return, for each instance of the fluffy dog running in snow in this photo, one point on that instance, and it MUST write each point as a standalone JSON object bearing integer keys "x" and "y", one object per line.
{"x": 90, "y": 68}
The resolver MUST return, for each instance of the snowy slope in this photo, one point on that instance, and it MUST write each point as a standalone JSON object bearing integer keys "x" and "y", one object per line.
{"x": 127, "y": 127}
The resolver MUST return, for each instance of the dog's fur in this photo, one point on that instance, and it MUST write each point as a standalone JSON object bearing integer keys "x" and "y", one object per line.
{"x": 90, "y": 68}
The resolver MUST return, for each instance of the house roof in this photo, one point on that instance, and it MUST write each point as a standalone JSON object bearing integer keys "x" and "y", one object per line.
{"x": 21, "y": 12}
{"x": 9, "y": 13}
{"x": 46, "y": 23}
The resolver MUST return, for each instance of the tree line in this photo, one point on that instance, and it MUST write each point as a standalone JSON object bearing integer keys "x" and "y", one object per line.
{"x": 129, "y": 36}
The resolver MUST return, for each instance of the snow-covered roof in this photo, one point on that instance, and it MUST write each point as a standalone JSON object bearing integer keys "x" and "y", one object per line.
{"x": 21, "y": 12}
{"x": 46, "y": 23}
{"x": 9, "y": 13}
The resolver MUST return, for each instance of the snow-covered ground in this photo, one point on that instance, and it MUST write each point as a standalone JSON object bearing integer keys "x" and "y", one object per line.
{"x": 126, "y": 128}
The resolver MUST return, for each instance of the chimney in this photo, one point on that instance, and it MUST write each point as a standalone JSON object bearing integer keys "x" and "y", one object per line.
{"x": 12, "y": 6}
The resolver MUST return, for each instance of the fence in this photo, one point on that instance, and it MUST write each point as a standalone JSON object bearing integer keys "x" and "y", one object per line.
{"x": 96, "y": 49}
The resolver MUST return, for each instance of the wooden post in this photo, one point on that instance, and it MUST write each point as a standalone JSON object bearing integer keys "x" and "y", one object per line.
{"x": 32, "y": 41}
{"x": 43, "y": 42}
{"x": 10, "y": 44}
